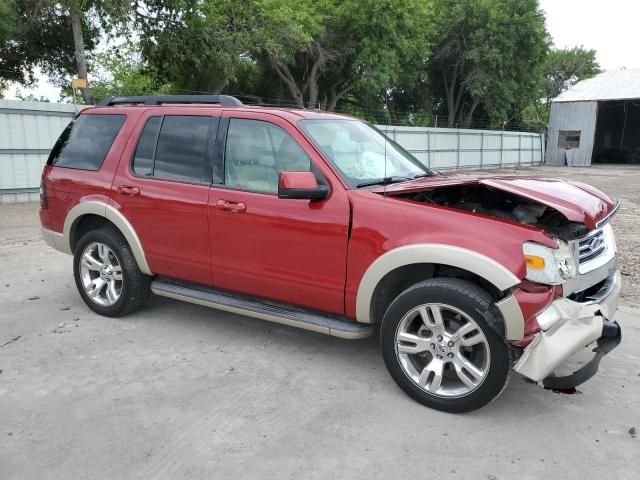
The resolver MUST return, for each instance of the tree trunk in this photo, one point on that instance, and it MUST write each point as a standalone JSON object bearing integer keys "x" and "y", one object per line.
{"x": 285, "y": 75}
{"x": 472, "y": 109}
{"x": 335, "y": 96}
{"x": 449, "y": 93}
{"x": 221, "y": 84}
{"x": 313, "y": 86}
{"x": 453, "y": 100}
{"x": 319, "y": 61}
{"x": 78, "y": 40}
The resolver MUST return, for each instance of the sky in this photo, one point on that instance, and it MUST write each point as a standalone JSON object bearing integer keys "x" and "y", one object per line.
{"x": 610, "y": 27}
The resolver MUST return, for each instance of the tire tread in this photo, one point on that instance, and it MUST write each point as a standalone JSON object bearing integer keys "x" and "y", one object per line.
{"x": 474, "y": 297}
{"x": 136, "y": 289}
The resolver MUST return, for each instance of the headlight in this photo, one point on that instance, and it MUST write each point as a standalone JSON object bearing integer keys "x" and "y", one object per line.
{"x": 551, "y": 266}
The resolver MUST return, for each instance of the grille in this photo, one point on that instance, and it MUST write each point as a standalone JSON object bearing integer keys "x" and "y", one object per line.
{"x": 591, "y": 246}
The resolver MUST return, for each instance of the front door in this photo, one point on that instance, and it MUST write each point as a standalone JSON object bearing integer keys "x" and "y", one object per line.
{"x": 293, "y": 251}
{"x": 162, "y": 188}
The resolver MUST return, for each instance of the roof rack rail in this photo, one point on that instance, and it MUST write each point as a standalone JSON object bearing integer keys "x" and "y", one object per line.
{"x": 289, "y": 105}
{"x": 222, "y": 100}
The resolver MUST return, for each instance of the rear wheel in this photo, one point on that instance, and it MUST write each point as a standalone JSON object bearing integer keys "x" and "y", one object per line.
{"x": 439, "y": 347}
{"x": 107, "y": 275}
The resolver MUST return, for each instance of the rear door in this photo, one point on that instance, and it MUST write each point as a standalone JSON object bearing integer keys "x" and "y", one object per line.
{"x": 289, "y": 250}
{"x": 162, "y": 188}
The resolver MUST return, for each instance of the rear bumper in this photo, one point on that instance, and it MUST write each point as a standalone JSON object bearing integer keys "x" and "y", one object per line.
{"x": 569, "y": 327}
{"x": 55, "y": 240}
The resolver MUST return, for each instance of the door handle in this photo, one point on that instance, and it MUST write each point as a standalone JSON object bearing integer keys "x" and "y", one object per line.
{"x": 128, "y": 191}
{"x": 227, "y": 206}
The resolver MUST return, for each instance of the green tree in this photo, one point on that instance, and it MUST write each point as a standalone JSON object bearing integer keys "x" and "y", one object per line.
{"x": 487, "y": 58}
{"x": 8, "y": 20}
{"x": 310, "y": 52}
{"x": 122, "y": 71}
{"x": 31, "y": 97}
{"x": 203, "y": 45}
{"x": 197, "y": 46}
{"x": 8, "y": 27}
{"x": 351, "y": 44}
{"x": 565, "y": 67}
{"x": 42, "y": 36}
{"x": 562, "y": 68}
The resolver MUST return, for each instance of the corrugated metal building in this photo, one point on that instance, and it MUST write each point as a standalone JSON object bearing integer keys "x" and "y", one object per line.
{"x": 28, "y": 130}
{"x": 597, "y": 120}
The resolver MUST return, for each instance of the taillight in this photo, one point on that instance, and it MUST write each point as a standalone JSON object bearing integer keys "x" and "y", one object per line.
{"x": 44, "y": 201}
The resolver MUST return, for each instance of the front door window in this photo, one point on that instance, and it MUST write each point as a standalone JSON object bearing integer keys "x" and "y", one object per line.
{"x": 257, "y": 152}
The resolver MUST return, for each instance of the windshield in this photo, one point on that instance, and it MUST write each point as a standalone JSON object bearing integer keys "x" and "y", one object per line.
{"x": 363, "y": 155}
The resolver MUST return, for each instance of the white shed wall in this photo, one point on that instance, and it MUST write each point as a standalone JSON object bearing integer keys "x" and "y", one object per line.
{"x": 572, "y": 116}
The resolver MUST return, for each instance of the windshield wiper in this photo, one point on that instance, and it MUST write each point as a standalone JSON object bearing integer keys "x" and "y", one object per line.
{"x": 422, "y": 175}
{"x": 383, "y": 181}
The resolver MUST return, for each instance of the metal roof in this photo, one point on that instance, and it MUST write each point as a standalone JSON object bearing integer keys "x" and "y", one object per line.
{"x": 609, "y": 85}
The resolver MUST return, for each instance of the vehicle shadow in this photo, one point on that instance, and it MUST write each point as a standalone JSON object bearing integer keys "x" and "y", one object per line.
{"x": 520, "y": 400}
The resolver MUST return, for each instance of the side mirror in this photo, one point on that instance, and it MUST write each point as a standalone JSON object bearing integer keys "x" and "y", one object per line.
{"x": 301, "y": 186}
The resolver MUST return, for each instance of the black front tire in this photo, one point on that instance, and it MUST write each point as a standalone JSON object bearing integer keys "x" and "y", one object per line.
{"x": 135, "y": 287}
{"x": 478, "y": 305}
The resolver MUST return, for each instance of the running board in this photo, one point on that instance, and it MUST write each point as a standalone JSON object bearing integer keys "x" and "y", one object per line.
{"x": 278, "y": 313}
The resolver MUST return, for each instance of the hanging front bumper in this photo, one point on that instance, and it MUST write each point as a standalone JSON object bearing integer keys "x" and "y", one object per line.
{"x": 569, "y": 327}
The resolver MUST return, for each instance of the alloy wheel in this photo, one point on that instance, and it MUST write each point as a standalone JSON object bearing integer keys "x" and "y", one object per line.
{"x": 101, "y": 274}
{"x": 442, "y": 350}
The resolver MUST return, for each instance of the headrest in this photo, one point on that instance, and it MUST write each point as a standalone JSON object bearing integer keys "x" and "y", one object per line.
{"x": 245, "y": 150}
{"x": 291, "y": 157}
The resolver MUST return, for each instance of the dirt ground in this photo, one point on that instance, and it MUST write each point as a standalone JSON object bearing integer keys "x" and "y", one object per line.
{"x": 181, "y": 391}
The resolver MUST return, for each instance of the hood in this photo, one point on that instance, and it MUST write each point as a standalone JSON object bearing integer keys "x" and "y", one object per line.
{"x": 576, "y": 201}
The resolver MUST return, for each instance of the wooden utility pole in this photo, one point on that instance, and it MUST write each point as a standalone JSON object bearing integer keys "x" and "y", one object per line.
{"x": 78, "y": 41}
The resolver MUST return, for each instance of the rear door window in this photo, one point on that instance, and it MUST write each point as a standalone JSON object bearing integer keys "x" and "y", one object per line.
{"x": 85, "y": 142}
{"x": 175, "y": 147}
{"x": 182, "y": 148}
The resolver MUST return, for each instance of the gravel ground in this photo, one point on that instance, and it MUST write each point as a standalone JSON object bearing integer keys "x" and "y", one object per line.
{"x": 180, "y": 391}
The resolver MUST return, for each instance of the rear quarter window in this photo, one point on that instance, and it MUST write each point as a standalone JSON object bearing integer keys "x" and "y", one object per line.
{"x": 85, "y": 142}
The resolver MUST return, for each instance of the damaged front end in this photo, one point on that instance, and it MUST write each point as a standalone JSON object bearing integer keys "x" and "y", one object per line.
{"x": 580, "y": 318}
{"x": 569, "y": 327}
{"x": 570, "y": 293}
{"x": 493, "y": 202}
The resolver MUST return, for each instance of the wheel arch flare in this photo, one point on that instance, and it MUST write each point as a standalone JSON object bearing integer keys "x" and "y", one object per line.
{"x": 440, "y": 254}
{"x": 108, "y": 212}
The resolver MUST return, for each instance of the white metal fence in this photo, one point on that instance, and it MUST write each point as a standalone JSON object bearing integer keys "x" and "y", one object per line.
{"x": 28, "y": 130}
{"x": 453, "y": 148}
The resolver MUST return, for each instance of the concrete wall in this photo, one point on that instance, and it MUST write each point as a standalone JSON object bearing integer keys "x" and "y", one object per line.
{"x": 572, "y": 116}
{"x": 28, "y": 130}
{"x": 453, "y": 148}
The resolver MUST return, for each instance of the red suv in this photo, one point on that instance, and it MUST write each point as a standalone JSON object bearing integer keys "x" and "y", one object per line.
{"x": 319, "y": 221}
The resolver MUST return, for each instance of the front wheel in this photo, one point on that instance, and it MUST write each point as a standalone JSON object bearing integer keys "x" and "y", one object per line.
{"x": 439, "y": 347}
